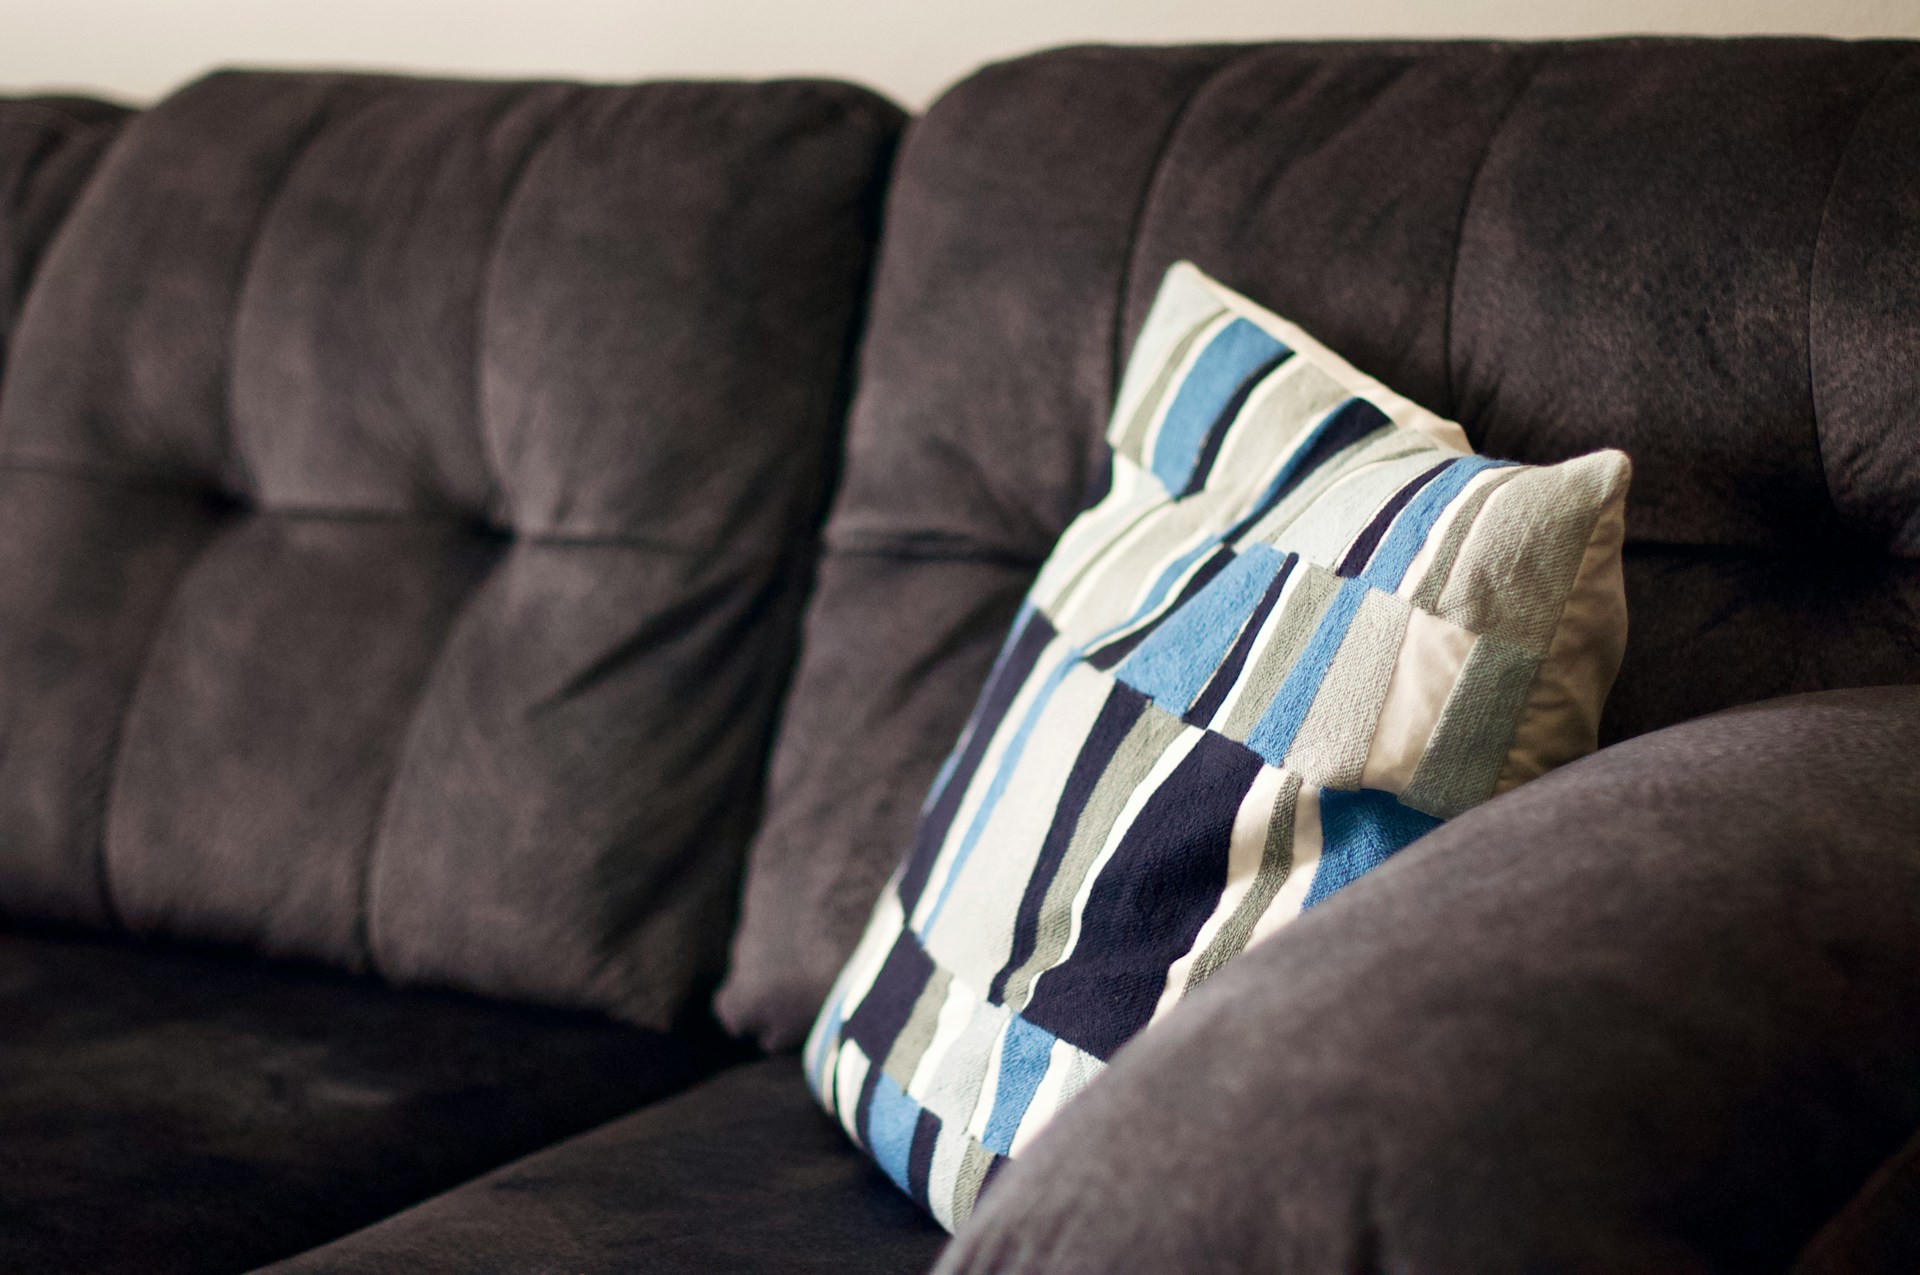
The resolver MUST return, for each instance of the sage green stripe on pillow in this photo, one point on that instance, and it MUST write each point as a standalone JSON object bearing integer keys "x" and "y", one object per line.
{"x": 912, "y": 1042}
{"x": 1385, "y": 445}
{"x": 1301, "y": 611}
{"x": 1344, "y": 509}
{"x": 953, "y": 1090}
{"x": 1513, "y": 575}
{"x": 1426, "y": 595}
{"x": 1276, "y": 864}
{"x": 1475, "y": 729}
{"x": 1271, "y": 424}
{"x": 972, "y": 1176}
{"x": 1331, "y": 748}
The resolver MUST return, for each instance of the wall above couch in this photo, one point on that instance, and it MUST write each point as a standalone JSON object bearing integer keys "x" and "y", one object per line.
{"x": 909, "y": 52}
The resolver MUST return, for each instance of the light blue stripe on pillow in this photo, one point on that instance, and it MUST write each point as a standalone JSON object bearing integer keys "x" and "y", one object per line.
{"x": 1220, "y": 373}
{"x": 1415, "y": 523}
{"x": 1172, "y": 666}
{"x": 1023, "y": 1065}
{"x": 1273, "y": 734}
{"x": 1359, "y": 831}
{"x": 891, "y": 1118}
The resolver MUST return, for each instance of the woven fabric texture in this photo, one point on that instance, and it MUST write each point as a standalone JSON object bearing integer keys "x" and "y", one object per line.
{"x": 1303, "y": 626}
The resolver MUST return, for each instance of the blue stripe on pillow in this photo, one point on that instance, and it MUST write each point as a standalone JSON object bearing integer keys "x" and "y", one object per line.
{"x": 1238, "y": 356}
{"x": 1359, "y": 831}
{"x": 1172, "y": 667}
{"x": 1023, "y": 1065}
{"x": 892, "y": 1118}
{"x": 1273, "y": 734}
{"x": 1411, "y": 529}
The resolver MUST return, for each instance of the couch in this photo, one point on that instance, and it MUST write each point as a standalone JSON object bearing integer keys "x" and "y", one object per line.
{"x": 486, "y": 567}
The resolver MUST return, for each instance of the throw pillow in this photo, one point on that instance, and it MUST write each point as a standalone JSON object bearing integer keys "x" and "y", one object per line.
{"x": 1304, "y": 625}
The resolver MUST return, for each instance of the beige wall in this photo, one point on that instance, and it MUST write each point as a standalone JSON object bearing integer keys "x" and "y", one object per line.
{"x": 136, "y": 49}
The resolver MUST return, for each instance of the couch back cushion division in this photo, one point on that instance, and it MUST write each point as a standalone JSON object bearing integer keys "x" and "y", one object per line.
{"x": 48, "y": 146}
{"x": 406, "y": 494}
{"x": 1704, "y": 253}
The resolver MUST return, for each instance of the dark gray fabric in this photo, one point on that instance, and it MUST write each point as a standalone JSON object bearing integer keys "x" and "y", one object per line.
{"x": 1653, "y": 1012}
{"x": 164, "y": 1111}
{"x": 1878, "y": 1233}
{"x": 48, "y": 145}
{"x": 407, "y": 492}
{"x": 1689, "y": 249}
{"x": 741, "y": 1174}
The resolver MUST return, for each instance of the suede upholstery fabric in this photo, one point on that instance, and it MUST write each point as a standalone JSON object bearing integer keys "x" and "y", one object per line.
{"x": 407, "y": 493}
{"x": 741, "y": 1174}
{"x": 1652, "y": 1012}
{"x": 166, "y": 1111}
{"x": 48, "y": 146}
{"x": 1697, "y": 251}
{"x": 1878, "y": 1230}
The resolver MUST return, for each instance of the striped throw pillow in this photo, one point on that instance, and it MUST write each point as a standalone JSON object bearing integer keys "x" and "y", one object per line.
{"x": 1305, "y": 624}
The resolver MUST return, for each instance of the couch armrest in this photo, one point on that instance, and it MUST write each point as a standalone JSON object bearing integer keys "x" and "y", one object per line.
{"x": 1658, "y": 1011}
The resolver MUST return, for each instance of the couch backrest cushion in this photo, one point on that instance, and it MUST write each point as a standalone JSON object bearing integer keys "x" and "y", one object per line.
{"x": 407, "y": 489}
{"x": 1705, "y": 253}
{"x": 48, "y": 145}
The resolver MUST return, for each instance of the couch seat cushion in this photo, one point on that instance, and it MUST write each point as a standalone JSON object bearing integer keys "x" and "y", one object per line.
{"x": 168, "y": 1111}
{"x": 740, "y": 1174}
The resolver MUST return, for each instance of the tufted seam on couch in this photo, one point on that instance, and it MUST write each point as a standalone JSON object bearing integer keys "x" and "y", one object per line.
{"x": 362, "y": 940}
{"x": 229, "y": 452}
{"x": 930, "y": 547}
{"x": 1541, "y": 58}
{"x": 110, "y": 770}
{"x": 105, "y": 476}
{"x": 22, "y": 259}
{"x": 1894, "y": 65}
{"x": 61, "y": 130}
{"x": 364, "y": 955}
{"x": 324, "y": 112}
{"x": 498, "y": 497}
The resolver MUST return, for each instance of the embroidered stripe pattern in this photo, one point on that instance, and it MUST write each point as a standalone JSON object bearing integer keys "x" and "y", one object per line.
{"x": 1180, "y": 748}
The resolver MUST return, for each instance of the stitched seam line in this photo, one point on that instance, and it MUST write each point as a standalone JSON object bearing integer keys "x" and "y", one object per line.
{"x": 363, "y": 940}
{"x": 516, "y": 180}
{"x": 1813, "y": 266}
{"x": 166, "y": 486}
{"x": 55, "y": 467}
{"x": 163, "y": 620}
{"x": 323, "y": 115}
{"x": 958, "y": 553}
{"x": 1452, "y": 406}
{"x": 110, "y": 773}
{"x": 10, "y": 326}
